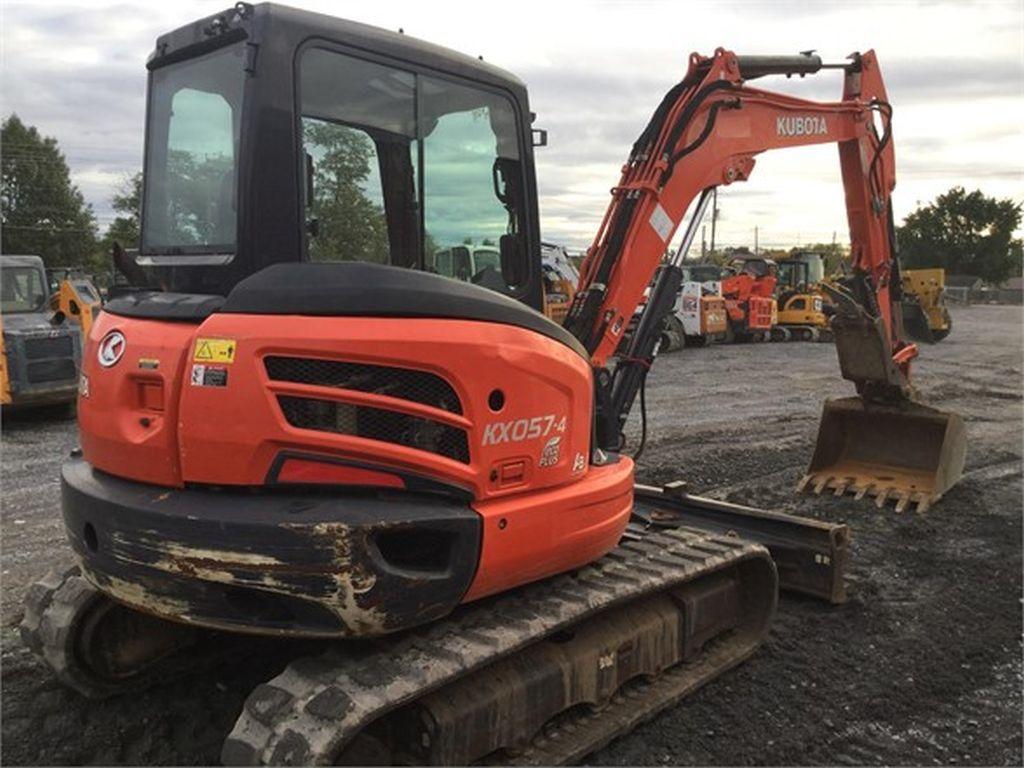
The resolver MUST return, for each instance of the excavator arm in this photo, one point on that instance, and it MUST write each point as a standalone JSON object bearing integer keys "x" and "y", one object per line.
{"x": 707, "y": 131}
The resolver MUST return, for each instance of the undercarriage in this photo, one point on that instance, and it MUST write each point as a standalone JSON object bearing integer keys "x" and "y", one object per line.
{"x": 542, "y": 675}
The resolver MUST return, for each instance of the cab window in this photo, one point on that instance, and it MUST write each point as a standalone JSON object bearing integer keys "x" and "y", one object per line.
{"x": 410, "y": 170}
{"x": 23, "y": 290}
{"x": 191, "y": 163}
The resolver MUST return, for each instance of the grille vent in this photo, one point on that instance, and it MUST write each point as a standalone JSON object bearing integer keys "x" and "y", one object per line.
{"x": 376, "y": 424}
{"x": 402, "y": 383}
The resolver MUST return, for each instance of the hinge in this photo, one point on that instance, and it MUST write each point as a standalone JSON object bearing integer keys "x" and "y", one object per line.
{"x": 251, "y": 49}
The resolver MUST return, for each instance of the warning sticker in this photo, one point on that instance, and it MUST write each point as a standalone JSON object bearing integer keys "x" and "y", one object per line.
{"x": 209, "y": 376}
{"x": 662, "y": 223}
{"x": 214, "y": 351}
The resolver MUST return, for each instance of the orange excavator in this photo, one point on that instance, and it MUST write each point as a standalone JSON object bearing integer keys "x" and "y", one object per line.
{"x": 272, "y": 444}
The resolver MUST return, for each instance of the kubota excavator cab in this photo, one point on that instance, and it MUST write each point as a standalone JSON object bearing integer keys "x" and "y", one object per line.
{"x": 274, "y": 137}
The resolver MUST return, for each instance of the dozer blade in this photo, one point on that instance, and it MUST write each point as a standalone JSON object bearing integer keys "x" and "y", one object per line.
{"x": 907, "y": 453}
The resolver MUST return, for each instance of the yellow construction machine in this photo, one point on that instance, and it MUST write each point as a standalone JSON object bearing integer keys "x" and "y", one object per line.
{"x": 40, "y": 345}
{"x": 925, "y": 315}
{"x": 803, "y": 308}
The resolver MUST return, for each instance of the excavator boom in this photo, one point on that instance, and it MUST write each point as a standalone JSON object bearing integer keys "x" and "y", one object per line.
{"x": 707, "y": 131}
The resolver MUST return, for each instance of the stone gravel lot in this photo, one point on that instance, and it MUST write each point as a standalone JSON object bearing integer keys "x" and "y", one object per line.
{"x": 921, "y": 666}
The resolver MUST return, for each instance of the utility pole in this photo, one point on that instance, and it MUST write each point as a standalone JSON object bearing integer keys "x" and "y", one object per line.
{"x": 756, "y": 251}
{"x": 703, "y": 242}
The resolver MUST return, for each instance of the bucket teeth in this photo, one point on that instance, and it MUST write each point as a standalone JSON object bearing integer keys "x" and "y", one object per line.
{"x": 905, "y": 500}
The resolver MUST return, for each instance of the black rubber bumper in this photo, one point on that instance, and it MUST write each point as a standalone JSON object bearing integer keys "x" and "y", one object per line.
{"x": 269, "y": 562}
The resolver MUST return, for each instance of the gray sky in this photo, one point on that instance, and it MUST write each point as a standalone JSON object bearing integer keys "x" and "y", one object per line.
{"x": 954, "y": 72}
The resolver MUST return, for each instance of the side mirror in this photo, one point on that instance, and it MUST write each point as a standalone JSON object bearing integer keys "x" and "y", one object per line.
{"x": 539, "y": 137}
{"x": 513, "y": 265}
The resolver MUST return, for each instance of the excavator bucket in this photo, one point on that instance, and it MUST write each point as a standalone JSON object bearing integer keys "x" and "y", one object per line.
{"x": 908, "y": 453}
{"x": 915, "y": 322}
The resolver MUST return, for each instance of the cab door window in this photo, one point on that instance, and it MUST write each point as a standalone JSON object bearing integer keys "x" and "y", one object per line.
{"x": 410, "y": 170}
{"x": 359, "y": 134}
{"x": 471, "y": 178}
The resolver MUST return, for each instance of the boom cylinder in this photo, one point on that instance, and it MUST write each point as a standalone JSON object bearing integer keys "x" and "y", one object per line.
{"x": 759, "y": 66}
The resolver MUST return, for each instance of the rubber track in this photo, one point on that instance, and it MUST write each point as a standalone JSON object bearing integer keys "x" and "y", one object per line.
{"x": 570, "y": 740}
{"x": 308, "y": 713}
{"x": 52, "y": 607}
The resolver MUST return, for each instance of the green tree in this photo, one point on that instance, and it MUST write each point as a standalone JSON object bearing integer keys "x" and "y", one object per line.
{"x": 127, "y": 202}
{"x": 41, "y": 211}
{"x": 966, "y": 234}
{"x": 352, "y": 227}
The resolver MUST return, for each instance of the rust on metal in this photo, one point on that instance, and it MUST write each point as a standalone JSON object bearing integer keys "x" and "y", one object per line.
{"x": 811, "y": 555}
{"x": 908, "y": 453}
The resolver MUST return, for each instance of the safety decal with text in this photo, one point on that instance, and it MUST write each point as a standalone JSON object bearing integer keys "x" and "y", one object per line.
{"x": 209, "y": 376}
{"x": 220, "y": 351}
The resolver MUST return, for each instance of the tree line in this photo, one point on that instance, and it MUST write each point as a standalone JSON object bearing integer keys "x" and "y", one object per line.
{"x": 43, "y": 213}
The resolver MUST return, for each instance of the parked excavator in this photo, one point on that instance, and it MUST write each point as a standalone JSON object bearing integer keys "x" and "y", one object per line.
{"x": 803, "y": 311}
{"x": 367, "y": 450}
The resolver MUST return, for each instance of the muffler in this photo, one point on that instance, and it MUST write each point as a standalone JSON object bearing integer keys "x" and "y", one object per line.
{"x": 908, "y": 452}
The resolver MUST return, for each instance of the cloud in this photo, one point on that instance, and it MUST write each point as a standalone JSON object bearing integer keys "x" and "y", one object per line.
{"x": 76, "y": 71}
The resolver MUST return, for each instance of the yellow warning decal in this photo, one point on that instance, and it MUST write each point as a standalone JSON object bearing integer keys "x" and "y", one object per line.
{"x": 214, "y": 351}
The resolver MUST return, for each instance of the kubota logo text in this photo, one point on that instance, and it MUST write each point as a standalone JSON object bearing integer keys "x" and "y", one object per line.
{"x": 111, "y": 348}
{"x": 522, "y": 429}
{"x": 811, "y": 125}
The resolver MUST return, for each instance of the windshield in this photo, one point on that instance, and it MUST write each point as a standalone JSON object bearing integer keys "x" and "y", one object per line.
{"x": 486, "y": 258}
{"x": 22, "y": 289}
{"x": 815, "y": 268}
{"x": 192, "y": 151}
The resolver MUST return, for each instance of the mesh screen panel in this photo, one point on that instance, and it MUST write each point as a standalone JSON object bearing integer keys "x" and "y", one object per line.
{"x": 376, "y": 424}
{"x": 417, "y": 386}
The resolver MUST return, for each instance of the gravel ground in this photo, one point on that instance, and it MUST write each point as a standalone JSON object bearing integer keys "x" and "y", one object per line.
{"x": 921, "y": 666}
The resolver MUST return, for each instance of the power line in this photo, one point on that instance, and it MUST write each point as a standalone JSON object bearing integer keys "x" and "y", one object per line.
{"x": 48, "y": 229}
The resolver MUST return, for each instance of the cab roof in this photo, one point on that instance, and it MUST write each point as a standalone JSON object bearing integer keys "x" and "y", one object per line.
{"x": 20, "y": 261}
{"x": 272, "y": 23}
